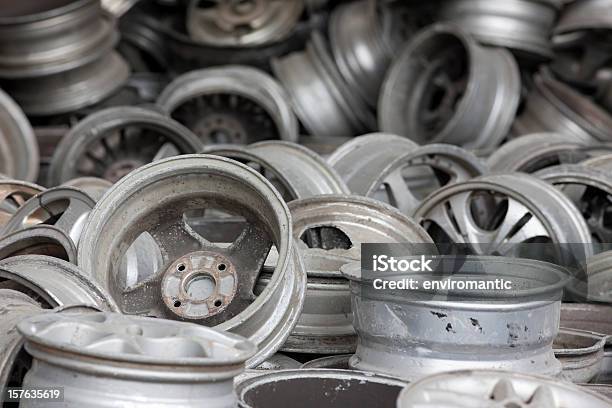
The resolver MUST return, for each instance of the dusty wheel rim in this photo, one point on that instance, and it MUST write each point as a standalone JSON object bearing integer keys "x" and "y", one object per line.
{"x": 66, "y": 208}
{"x": 228, "y": 104}
{"x": 112, "y": 142}
{"x": 69, "y": 91}
{"x": 316, "y": 387}
{"x": 547, "y": 212}
{"x": 267, "y": 319}
{"x": 15, "y": 307}
{"x": 54, "y": 37}
{"x": 449, "y": 110}
{"x": 523, "y": 26}
{"x": 246, "y": 24}
{"x": 13, "y": 194}
{"x": 555, "y": 107}
{"x": 534, "y": 152}
{"x": 402, "y": 178}
{"x": 296, "y": 171}
{"x": 341, "y": 223}
{"x": 459, "y": 323}
{"x": 156, "y": 362}
{"x": 19, "y": 154}
{"x": 589, "y": 190}
{"x": 325, "y": 324}
{"x": 488, "y": 388}
{"x": 359, "y": 47}
{"x": 312, "y": 75}
{"x": 39, "y": 240}
{"x": 581, "y": 354}
{"x": 54, "y": 282}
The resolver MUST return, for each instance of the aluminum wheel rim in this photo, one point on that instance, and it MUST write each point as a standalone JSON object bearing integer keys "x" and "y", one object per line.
{"x": 359, "y": 220}
{"x": 446, "y": 113}
{"x": 509, "y": 330}
{"x": 39, "y": 240}
{"x": 95, "y": 146}
{"x": 55, "y": 282}
{"x": 13, "y": 195}
{"x": 246, "y": 24}
{"x": 534, "y": 152}
{"x": 464, "y": 389}
{"x": 552, "y": 214}
{"x": 523, "y": 26}
{"x": 296, "y": 171}
{"x": 253, "y": 87}
{"x": 589, "y": 190}
{"x": 404, "y": 179}
{"x": 66, "y": 208}
{"x": 19, "y": 154}
{"x": 276, "y": 310}
{"x": 581, "y": 354}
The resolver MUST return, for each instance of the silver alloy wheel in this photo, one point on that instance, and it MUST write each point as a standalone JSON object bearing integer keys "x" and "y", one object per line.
{"x": 188, "y": 283}
{"x": 524, "y": 26}
{"x": 245, "y": 23}
{"x": 505, "y": 329}
{"x": 593, "y": 318}
{"x": 230, "y": 104}
{"x": 403, "y": 177}
{"x": 39, "y": 240}
{"x": 470, "y": 102}
{"x": 138, "y": 361}
{"x": 581, "y": 354}
{"x": 555, "y": 107}
{"x": 533, "y": 152}
{"x": 19, "y": 154}
{"x": 13, "y": 195}
{"x": 585, "y": 15}
{"x": 491, "y": 389}
{"x": 54, "y": 37}
{"x": 296, "y": 171}
{"x": 112, "y": 142}
{"x": 67, "y": 208}
{"x": 361, "y": 47}
{"x": 323, "y": 101}
{"x": 498, "y": 213}
{"x": 53, "y": 282}
{"x": 341, "y": 223}
{"x": 590, "y": 190}
{"x": 318, "y": 388}
{"x": 72, "y": 90}
{"x": 325, "y": 324}
{"x": 15, "y": 306}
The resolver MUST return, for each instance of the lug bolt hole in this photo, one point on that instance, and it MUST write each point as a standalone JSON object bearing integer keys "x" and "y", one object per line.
{"x": 218, "y": 303}
{"x": 177, "y": 303}
{"x": 180, "y": 267}
{"x": 221, "y": 267}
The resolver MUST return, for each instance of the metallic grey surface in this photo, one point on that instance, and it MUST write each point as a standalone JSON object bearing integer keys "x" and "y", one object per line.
{"x": 414, "y": 336}
{"x": 102, "y": 358}
{"x": 54, "y": 282}
{"x": 489, "y": 389}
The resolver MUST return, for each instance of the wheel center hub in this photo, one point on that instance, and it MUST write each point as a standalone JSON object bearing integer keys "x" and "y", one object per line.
{"x": 199, "y": 285}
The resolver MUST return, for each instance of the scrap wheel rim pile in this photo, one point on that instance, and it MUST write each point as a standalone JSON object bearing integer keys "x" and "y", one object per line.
{"x": 190, "y": 191}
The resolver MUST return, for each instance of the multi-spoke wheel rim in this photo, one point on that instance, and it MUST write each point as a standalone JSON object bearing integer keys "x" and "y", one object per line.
{"x": 111, "y": 143}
